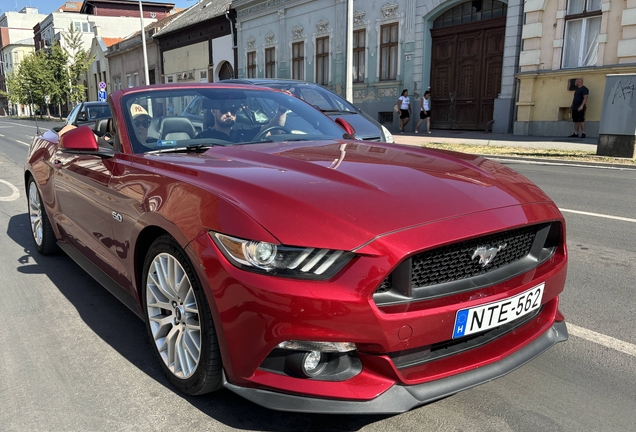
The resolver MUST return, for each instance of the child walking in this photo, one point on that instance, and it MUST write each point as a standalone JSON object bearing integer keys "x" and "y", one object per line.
{"x": 425, "y": 112}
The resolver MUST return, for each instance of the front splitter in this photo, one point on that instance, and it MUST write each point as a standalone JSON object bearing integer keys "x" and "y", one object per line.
{"x": 401, "y": 398}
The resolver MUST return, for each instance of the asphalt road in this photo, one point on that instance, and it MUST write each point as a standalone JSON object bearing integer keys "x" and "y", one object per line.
{"x": 74, "y": 358}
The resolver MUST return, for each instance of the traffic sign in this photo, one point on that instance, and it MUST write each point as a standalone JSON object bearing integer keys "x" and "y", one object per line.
{"x": 47, "y": 99}
{"x": 101, "y": 96}
{"x": 102, "y": 85}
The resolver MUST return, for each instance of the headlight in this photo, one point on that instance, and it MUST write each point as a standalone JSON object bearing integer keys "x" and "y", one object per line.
{"x": 287, "y": 261}
{"x": 388, "y": 137}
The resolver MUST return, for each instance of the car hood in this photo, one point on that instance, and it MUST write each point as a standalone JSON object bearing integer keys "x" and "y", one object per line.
{"x": 365, "y": 129}
{"x": 342, "y": 194}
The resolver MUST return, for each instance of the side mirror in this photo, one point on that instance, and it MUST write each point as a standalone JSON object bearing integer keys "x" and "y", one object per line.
{"x": 81, "y": 116}
{"x": 346, "y": 126}
{"x": 81, "y": 140}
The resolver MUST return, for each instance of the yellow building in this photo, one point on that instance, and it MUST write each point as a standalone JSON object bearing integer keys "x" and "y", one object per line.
{"x": 567, "y": 39}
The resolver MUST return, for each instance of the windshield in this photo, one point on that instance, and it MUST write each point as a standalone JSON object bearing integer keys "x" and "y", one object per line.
{"x": 196, "y": 118}
{"x": 317, "y": 96}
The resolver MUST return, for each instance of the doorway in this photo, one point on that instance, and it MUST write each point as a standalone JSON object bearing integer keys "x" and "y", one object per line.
{"x": 466, "y": 64}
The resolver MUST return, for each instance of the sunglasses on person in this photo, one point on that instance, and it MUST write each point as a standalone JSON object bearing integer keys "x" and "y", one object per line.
{"x": 144, "y": 123}
{"x": 231, "y": 109}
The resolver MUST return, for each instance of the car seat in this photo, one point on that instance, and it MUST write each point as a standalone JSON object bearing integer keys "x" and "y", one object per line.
{"x": 176, "y": 128}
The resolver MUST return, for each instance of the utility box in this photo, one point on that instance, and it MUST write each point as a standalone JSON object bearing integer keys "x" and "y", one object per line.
{"x": 617, "y": 129}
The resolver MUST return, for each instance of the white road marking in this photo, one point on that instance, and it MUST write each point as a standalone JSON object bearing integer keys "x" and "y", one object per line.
{"x": 598, "y": 215}
{"x": 15, "y": 192}
{"x": 20, "y": 124}
{"x": 18, "y": 141}
{"x": 601, "y": 339}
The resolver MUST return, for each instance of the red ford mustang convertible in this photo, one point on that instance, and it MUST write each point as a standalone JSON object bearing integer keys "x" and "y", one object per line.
{"x": 272, "y": 254}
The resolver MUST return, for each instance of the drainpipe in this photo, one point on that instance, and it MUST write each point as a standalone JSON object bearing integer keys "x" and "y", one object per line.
{"x": 227, "y": 15}
{"x": 234, "y": 47}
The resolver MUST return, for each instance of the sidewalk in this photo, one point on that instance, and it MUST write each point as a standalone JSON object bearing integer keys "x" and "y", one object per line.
{"x": 483, "y": 138}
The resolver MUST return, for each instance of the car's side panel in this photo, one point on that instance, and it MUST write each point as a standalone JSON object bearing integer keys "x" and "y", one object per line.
{"x": 83, "y": 213}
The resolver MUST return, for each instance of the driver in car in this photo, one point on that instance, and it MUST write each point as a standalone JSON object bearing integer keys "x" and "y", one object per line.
{"x": 224, "y": 124}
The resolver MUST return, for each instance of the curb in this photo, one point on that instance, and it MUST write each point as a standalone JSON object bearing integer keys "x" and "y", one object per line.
{"x": 562, "y": 162}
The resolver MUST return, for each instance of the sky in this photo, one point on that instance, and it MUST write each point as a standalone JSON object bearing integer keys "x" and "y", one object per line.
{"x": 48, "y": 6}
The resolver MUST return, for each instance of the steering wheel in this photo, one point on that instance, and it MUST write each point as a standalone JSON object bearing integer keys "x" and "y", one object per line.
{"x": 259, "y": 136}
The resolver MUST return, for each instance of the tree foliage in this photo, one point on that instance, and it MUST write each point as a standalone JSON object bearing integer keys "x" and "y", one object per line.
{"x": 57, "y": 72}
{"x": 79, "y": 62}
{"x": 31, "y": 82}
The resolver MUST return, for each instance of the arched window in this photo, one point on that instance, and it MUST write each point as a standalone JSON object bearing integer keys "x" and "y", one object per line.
{"x": 471, "y": 11}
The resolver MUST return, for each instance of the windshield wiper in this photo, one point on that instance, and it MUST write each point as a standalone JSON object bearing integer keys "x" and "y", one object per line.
{"x": 193, "y": 148}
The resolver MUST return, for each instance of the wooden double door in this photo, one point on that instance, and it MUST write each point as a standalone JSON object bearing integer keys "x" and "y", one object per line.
{"x": 466, "y": 67}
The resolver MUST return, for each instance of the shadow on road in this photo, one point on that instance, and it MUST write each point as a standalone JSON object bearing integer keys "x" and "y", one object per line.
{"x": 126, "y": 333}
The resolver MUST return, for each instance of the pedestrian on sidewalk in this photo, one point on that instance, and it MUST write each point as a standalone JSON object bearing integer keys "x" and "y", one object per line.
{"x": 425, "y": 112}
{"x": 579, "y": 104}
{"x": 405, "y": 109}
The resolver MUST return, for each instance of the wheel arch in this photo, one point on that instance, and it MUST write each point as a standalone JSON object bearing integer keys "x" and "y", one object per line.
{"x": 144, "y": 240}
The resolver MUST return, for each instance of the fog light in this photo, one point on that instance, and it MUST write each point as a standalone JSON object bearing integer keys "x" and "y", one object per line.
{"x": 312, "y": 361}
{"x": 308, "y": 364}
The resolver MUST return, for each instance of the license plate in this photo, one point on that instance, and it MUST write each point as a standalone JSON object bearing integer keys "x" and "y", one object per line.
{"x": 491, "y": 315}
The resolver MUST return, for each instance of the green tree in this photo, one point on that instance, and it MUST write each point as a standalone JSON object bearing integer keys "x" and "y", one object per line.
{"x": 31, "y": 82}
{"x": 58, "y": 68}
{"x": 80, "y": 60}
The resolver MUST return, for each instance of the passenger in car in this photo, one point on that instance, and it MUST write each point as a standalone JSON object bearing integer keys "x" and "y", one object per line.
{"x": 141, "y": 122}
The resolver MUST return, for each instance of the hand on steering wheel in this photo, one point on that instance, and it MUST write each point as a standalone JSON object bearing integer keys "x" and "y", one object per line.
{"x": 262, "y": 134}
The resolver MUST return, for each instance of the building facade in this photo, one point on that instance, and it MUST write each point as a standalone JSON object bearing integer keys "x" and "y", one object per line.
{"x": 199, "y": 46}
{"x": 564, "y": 40}
{"x": 98, "y": 72}
{"x": 16, "y": 42}
{"x": 126, "y": 60}
{"x": 465, "y": 52}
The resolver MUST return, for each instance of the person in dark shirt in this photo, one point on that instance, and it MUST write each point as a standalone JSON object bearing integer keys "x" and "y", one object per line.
{"x": 579, "y": 104}
{"x": 224, "y": 119}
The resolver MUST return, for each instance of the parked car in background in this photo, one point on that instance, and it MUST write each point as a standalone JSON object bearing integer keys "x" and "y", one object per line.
{"x": 367, "y": 129}
{"x": 297, "y": 267}
{"x": 88, "y": 114}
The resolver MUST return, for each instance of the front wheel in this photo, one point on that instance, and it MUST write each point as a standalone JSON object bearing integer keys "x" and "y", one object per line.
{"x": 41, "y": 230}
{"x": 179, "y": 320}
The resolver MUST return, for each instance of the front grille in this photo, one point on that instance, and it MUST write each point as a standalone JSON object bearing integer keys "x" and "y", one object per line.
{"x": 456, "y": 267}
{"x": 455, "y": 262}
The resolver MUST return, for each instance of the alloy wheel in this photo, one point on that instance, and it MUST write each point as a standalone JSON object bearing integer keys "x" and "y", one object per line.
{"x": 173, "y": 315}
{"x": 35, "y": 214}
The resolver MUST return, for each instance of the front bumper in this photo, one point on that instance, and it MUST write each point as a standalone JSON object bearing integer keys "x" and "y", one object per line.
{"x": 401, "y": 398}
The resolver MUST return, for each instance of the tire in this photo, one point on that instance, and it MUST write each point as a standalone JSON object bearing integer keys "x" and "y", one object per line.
{"x": 41, "y": 230}
{"x": 179, "y": 320}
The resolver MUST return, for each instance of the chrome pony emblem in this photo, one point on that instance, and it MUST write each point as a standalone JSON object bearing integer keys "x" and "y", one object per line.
{"x": 487, "y": 254}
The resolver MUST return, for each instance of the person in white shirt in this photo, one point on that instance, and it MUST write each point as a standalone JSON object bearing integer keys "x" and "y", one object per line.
{"x": 405, "y": 109}
{"x": 425, "y": 112}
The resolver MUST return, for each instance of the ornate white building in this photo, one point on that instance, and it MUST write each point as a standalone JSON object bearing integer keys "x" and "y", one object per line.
{"x": 466, "y": 52}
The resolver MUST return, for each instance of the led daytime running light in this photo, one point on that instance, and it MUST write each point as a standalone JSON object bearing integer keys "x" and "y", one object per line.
{"x": 318, "y": 346}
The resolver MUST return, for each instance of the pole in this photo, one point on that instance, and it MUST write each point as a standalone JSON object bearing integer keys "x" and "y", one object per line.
{"x": 143, "y": 43}
{"x": 349, "y": 68}
{"x": 37, "y": 126}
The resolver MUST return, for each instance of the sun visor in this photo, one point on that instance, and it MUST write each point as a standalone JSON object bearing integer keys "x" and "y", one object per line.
{"x": 224, "y": 99}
